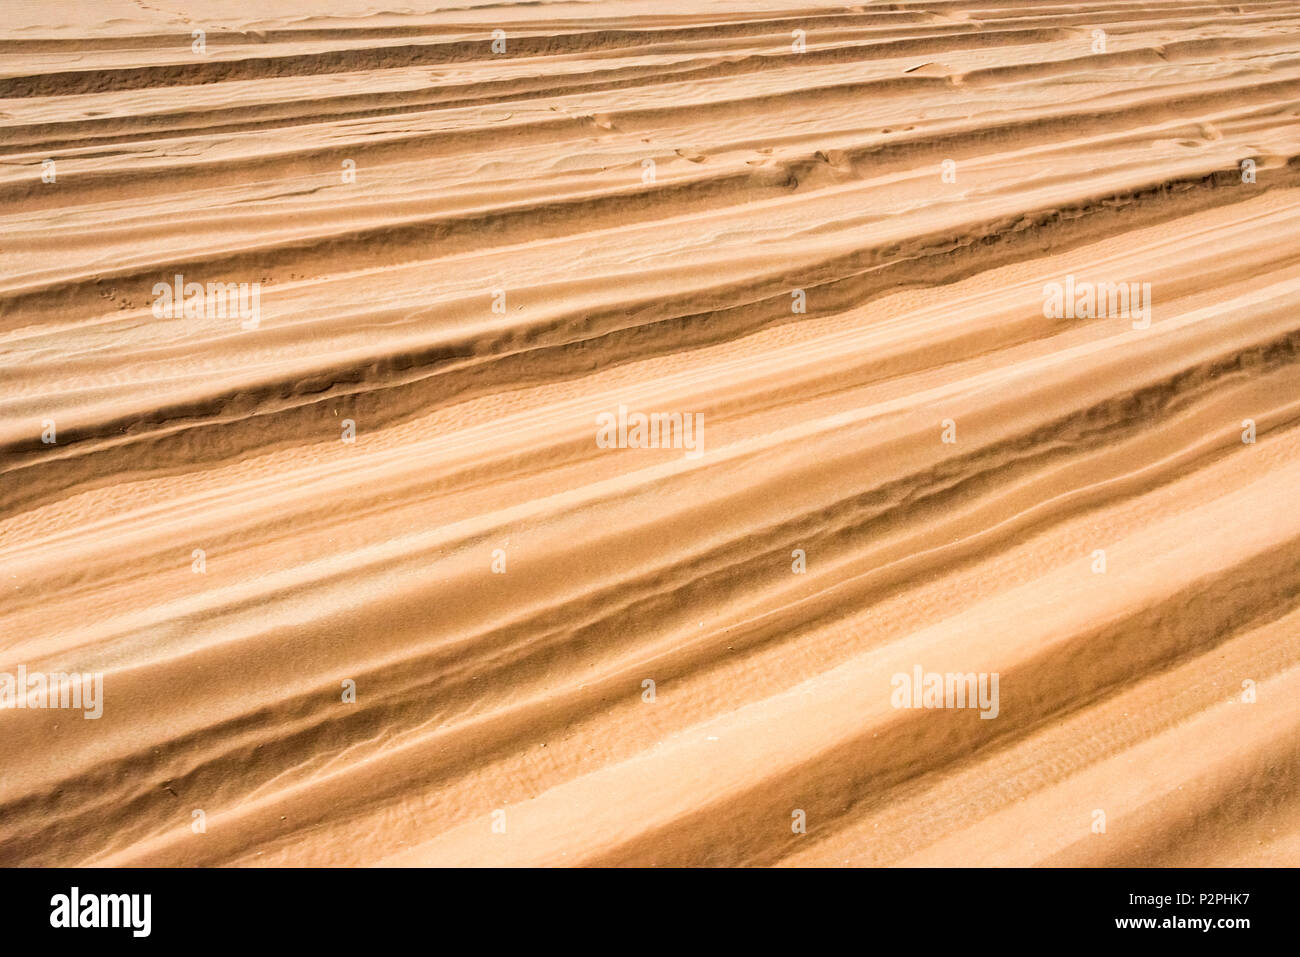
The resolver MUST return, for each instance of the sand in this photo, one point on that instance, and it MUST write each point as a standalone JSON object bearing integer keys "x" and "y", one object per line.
{"x": 369, "y": 555}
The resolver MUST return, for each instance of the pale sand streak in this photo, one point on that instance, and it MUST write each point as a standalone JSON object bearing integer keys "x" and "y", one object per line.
{"x": 775, "y": 171}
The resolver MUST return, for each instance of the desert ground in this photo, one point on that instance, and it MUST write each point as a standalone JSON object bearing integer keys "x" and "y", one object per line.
{"x": 336, "y": 342}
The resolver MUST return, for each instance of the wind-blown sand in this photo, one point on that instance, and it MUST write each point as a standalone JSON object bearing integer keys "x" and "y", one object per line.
{"x": 180, "y": 510}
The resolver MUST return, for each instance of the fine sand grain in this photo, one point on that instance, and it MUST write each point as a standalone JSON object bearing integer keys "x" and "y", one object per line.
{"x": 828, "y": 236}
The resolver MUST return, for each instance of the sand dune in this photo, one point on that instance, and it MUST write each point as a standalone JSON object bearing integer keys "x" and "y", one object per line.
{"x": 850, "y": 246}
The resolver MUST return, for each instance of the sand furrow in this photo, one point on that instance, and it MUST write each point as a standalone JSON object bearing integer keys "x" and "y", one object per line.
{"x": 970, "y": 336}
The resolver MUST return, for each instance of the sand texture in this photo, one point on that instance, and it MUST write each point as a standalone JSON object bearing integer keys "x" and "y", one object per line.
{"x": 826, "y": 235}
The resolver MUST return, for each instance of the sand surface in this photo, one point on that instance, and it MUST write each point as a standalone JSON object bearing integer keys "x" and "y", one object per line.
{"x": 834, "y": 248}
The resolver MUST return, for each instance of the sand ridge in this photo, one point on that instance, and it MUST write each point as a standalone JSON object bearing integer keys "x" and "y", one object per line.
{"x": 428, "y": 257}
